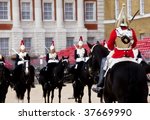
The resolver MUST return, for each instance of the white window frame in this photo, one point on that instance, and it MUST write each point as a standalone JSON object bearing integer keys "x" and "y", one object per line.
{"x": 8, "y": 5}
{"x": 116, "y": 9}
{"x": 94, "y": 11}
{"x": 73, "y": 2}
{"x": 129, "y": 8}
{"x": 141, "y": 7}
{"x": 5, "y": 50}
{"x": 31, "y": 10}
{"x": 50, "y": 42}
{"x": 48, "y": 1}
{"x": 30, "y": 40}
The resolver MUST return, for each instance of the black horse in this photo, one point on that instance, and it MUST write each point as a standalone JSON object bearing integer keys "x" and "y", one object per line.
{"x": 4, "y": 82}
{"x": 86, "y": 76}
{"x": 23, "y": 77}
{"x": 96, "y": 58}
{"x": 124, "y": 82}
{"x": 55, "y": 79}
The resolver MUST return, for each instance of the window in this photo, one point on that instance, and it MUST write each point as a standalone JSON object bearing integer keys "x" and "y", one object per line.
{"x": 48, "y": 11}
{"x": 116, "y": 8}
{"x": 4, "y": 46}
{"x": 27, "y": 43}
{"x": 141, "y": 7}
{"x": 26, "y": 11}
{"x": 90, "y": 11}
{"x": 48, "y": 42}
{"x": 91, "y": 40}
{"x": 69, "y": 10}
{"x": 129, "y": 8}
{"x": 70, "y": 41}
{"x": 4, "y": 10}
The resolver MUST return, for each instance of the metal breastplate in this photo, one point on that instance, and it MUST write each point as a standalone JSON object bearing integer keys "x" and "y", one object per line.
{"x": 120, "y": 33}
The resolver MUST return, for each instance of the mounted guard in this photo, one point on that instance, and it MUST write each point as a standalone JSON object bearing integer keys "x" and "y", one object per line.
{"x": 121, "y": 43}
{"x": 80, "y": 56}
{"x": 22, "y": 58}
{"x": 52, "y": 60}
{"x": 4, "y": 79}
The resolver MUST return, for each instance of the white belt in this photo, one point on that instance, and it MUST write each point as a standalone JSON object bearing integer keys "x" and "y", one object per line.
{"x": 82, "y": 59}
{"x": 53, "y": 61}
{"x": 20, "y": 62}
{"x": 124, "y": 48}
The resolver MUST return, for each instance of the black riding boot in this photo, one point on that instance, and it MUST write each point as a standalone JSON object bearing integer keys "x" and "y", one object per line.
{"x": 99, "y": 86}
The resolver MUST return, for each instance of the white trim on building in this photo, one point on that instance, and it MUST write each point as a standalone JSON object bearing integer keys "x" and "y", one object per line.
{"x": 116, "y": 9}
{"x": 129, "y": 8}
{"x": 141, "y": 7}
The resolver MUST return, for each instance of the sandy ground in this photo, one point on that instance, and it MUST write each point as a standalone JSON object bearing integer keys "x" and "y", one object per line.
{"x": 67, "y": 92}
{"x": 37, "y": 95}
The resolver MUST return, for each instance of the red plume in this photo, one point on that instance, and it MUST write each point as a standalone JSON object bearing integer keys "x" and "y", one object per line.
{"x": 22, "y": 42}
{"x": 52, "y": 42}
{"x": 81, "y": 38}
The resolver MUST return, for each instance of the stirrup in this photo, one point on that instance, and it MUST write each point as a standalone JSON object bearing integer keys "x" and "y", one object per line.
{"x": 97, "y": 89}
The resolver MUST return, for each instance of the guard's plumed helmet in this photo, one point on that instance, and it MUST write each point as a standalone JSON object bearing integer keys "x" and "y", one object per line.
{"x": 80, "y": 43}
{"x": 122, "y": 18}
{"x": 22, "y": 46}
{"x": 52, "y": 46}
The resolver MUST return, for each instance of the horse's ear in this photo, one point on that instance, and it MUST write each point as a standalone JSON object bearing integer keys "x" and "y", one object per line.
{"x": 62, "y": 57}
{"x": 89, "y": 45}
{"x": 67, "y": 57}
{"x": 97, "y": 42}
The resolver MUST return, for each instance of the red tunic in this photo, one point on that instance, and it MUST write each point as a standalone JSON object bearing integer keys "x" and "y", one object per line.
{"x": 121, "y": 53}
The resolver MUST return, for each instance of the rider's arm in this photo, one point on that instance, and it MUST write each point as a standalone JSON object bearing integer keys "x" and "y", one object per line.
{"x": 134, "y": 38}
{"x": 75, "y": 54}
{"x": 85, "y": 54}
{"x": 111, "y": 41}
{"x": 47, "y": 57}
{"x": 17, "y": 59}
{"x": 56, "y": 57}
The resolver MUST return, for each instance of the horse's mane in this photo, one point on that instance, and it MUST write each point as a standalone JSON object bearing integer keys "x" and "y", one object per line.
{"x": 101, "y": 49}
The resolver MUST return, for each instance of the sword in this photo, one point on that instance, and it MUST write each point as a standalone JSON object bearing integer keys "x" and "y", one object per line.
{"x": 47, "y": 49}
{"x": 134, "y": 16}
{"x": 75, "y": 46}
{"x": 18, "y": 54}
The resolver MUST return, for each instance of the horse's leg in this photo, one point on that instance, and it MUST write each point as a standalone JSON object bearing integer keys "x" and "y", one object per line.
{"x": 59, "y": 94}
{"x": 44, "y": 93}
{"x": 45, "y": 99}
{"x": 28, "y": 94}
{"x": 80, "y": 96}
{"x": 48, "y": 95}
{"x": 89, "y": 92}
{"x": 52, "y": 96}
